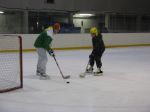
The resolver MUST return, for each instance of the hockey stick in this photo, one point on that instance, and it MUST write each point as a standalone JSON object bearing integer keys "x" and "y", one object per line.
{"x": 64, "y": 77}
{"x": 82, "y": 75}
{"x": 87, "y": 66}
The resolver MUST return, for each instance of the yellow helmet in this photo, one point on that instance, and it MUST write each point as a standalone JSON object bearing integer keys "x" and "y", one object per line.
{"x": 94, "y": 30}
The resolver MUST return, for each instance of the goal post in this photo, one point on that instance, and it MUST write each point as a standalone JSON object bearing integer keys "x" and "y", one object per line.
{"x": 11, "y": 66}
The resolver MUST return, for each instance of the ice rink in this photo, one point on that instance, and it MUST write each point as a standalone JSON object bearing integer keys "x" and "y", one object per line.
{"x": 124, "y": 86}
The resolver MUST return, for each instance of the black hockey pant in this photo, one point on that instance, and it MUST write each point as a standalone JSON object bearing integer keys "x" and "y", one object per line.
{"x": 97, "y": 59}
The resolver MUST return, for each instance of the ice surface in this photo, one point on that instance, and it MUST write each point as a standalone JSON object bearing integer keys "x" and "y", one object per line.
{"x": 124, "y": 86}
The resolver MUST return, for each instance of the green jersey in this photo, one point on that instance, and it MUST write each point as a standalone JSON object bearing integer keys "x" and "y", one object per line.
{"x": 43, "y": 41}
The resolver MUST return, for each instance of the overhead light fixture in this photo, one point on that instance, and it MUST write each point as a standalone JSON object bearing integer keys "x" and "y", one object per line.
{"x": 83, "y": 15}
{"x": 1, "y": 12}
{"x": 86, "y": 14}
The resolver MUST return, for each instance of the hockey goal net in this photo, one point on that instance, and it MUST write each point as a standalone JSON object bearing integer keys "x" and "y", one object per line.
{"x": 10, "y": 63}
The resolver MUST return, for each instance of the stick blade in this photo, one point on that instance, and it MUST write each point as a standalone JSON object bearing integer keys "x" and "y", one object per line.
{"x": 66, "y": 77}
{"x": 82, "y": 75}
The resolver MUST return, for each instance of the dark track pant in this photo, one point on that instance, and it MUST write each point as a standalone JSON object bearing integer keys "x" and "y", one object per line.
{"x": 97, "y": 59}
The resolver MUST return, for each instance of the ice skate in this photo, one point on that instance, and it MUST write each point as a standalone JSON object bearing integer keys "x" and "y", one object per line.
{"x": 98, "y": 72}
{"x": 38, "y": 73}
{"x": 89, "y": 70}
{"x": 44, "y": 76}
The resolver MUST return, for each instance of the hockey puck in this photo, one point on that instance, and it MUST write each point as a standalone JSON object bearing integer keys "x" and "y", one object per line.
{"x": 68, "y": 82}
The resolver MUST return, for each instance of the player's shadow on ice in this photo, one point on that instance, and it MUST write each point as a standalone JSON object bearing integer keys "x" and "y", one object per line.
{"x": 31, "y": 77}
{"x": 52, "y": 76}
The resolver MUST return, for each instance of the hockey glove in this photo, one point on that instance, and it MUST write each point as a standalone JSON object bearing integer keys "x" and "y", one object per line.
{"x": 51, "y": 52}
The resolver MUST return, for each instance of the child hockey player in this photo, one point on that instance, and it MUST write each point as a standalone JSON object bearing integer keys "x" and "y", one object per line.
{"x": 97, "y": 52}
{"x": 42, "y": 44}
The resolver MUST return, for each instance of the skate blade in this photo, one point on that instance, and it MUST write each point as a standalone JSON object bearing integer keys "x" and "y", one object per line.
{"x": 66, "y": 77}
{"x": 97, "y": 74}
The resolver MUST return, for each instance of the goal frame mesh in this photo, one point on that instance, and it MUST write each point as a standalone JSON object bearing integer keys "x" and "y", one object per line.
{"x": 20, "y": 85}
